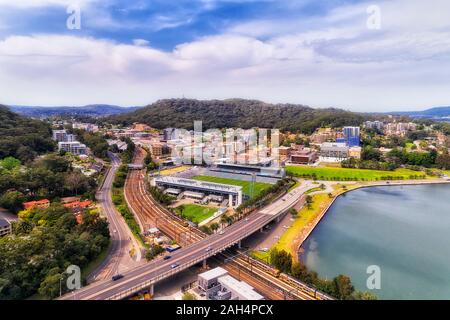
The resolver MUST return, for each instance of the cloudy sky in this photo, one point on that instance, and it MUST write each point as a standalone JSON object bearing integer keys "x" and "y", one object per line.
{"x": 315, "y": 52}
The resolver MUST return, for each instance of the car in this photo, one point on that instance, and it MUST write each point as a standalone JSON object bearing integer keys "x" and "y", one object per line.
{"x": 221, "y": 232}
{"x": 208, "y": 249}
{"x": 247, "y": 219}
{"x": 174, "y": 265}
{"x": 167, "y": 257}
{"x": 117, "y": 277}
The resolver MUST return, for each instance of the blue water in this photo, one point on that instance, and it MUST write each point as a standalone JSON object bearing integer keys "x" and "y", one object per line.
{"x": 403, "y": 230}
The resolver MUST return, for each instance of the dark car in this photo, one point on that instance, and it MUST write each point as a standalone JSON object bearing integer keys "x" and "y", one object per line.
{"x": 167, "y": 257}
{"x": 117, "y": 277}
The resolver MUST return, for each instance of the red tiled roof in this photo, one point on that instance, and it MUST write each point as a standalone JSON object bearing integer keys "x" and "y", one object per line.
{"x": 76, "y": 204}
{"x": 32, "y": 204}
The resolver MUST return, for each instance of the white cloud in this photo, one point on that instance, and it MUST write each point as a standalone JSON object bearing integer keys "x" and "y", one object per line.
{"x": 42, "y": 3}
{"x": 328, "y": 61}
{"x": 141, "y": 42}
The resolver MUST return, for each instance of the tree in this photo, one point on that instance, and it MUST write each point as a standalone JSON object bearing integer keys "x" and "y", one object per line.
{"x": 50, "y": 287}
{"x": 364, "y": 296}
{"x": 12, "y": 201}
{"x": 293, "y": 212}
{"x": 281, "y": 260}
{"x": 343, "y": 288}
{"x": 300, "y": 272}
{"x": 309, "y": 201}
{"x": 154, "y": 251}
{"x": 214, "y": 227}
{"x": 75, "y": 181}
{"x": 443, "y": 161}
{"x": 188, "y": 296}
{"x": 10, "y": 163}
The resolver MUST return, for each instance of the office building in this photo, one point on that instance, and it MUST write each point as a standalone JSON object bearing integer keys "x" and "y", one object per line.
{"x": 375, "y": 125}
{"x": 217, "y": 284}
{"x": 334, "y": 152}
{"x": 73, "y": 147}
{"x": 351, "y": 136}
{"x": 305, "y": 156}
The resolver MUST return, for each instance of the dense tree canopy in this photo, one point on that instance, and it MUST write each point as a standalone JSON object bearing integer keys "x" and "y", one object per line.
{"x": 43, "y": 244}
{"x": 49, "y": 177}
{"x": 238, "y": 113}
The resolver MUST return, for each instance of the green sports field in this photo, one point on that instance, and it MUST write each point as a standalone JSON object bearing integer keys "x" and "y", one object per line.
{"x": 259, "y": 186}
{"x": 196, "y": 213}
{"x": 330, "y": 173}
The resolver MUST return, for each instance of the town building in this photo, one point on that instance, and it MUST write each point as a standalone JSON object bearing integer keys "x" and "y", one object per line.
{"x": 42, "y": 204}
{"x": 284, "y": 152}
{"x": 5, "y": 227}
{"x": 168, "y": 134}
{"x": 217, "y": 284}
{"x": 141, "y": 127}
{"x": 399, "y": 128}
{"x": 63, "y": 136}
{"x": 200, "y": 189}
{"x": 355, "y": 152}
{"x": 305, "y": 156}
{"x": 73, "y": 147}
{"x": 78, "y": 206}
{"x": 85, "y": 126}
{"x": 351, "y": 136}
{"x": 374, "y": 125}
{"x": 159, "y": 149}
{"x": 334, "y": 152}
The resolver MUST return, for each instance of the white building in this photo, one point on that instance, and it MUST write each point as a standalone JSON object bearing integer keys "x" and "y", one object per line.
{"x": 85, "y": 126}
{"x": 74, "y": 147}
{"x": 333, "y": 152}
{"x": 194, "y": 188}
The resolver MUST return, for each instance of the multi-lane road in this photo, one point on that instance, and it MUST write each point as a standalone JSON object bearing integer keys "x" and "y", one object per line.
{"x": 118, "y": 259}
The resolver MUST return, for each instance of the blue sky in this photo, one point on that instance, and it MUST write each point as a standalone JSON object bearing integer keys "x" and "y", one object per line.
{"x": 319, "y": 53}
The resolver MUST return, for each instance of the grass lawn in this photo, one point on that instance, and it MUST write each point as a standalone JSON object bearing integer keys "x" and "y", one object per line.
{"x": 259, "y": 186}
{"x": 261, "y": 255}
{"x": 329, "y": 173}
{"x": 196, "y": 213}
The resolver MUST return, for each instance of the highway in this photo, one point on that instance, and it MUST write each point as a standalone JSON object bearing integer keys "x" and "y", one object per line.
{"x": 118, "y": 259}
{"x": 150, "y": 273}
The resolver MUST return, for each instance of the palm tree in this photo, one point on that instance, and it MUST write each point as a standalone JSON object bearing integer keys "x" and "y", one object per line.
{"x": 223, "y": 219}
{"x": 214, "y": 226}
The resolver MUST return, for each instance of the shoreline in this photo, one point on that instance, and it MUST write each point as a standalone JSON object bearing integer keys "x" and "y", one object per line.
{"x": 305, "y": 234}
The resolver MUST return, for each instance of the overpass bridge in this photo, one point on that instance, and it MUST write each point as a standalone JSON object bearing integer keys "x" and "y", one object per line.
{"x": 147, "y": 275}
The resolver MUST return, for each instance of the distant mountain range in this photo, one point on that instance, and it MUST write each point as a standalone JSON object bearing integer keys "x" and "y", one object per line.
{"x": 94, "y": 110}
{"x": 433, "y": 113}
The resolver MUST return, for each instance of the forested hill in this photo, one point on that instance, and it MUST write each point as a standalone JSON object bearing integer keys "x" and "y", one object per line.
{"x": 238, "y": 113}
{"x": 21, "y": 137}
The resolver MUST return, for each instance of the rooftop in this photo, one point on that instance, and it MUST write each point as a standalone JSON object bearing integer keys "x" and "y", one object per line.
{"x": 4, "y": 223}
{"x": 242, "y": 288}
{"x": 213, "y": 273}
{"x": 198, "y": 184}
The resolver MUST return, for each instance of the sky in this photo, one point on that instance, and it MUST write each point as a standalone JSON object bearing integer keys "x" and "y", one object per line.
{"x": 356, "y": 55}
